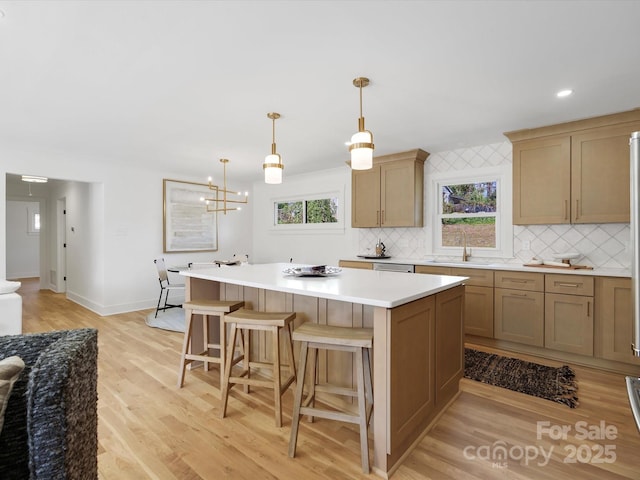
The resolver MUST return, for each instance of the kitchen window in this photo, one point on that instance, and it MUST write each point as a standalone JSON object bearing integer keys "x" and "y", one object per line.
{"x": 317, "y": 211}
{"x": 476, "y": 206}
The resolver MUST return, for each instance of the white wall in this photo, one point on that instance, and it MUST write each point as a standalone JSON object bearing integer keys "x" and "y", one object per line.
{"x": 116, "y": 215}
{"x": 313, "y": 246}
{"x": 24, "y": 245}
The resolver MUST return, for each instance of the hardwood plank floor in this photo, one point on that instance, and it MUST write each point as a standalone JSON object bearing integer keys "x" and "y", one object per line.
{"x": 149, "y": 428}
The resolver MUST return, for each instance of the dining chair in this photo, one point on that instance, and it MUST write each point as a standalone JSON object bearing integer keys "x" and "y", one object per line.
{"x": 165, "y": 287}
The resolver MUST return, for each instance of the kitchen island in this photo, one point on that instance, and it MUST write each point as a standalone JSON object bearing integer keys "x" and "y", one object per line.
{"x": 418, "y": 353}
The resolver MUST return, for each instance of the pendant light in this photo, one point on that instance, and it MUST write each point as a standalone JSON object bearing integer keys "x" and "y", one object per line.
{"x": 361, "y": 146}
{"x": 272, "y": 165}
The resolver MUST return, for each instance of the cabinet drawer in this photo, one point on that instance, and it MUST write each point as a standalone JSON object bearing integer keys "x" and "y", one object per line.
{"x": 569, "y": 284}
{"x": 477, "y": 276}
{"x": 520, "y": 281}
{"x": 355, "y": 264}
{"x": 433, "y": 270}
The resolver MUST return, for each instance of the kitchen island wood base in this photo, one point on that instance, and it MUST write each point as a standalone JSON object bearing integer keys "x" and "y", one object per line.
{"x": 418, "y": 356}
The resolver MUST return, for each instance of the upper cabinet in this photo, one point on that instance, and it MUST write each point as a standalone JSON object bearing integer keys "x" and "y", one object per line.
{"x": 391, "y": 193}
{"x": 576, "y": 172}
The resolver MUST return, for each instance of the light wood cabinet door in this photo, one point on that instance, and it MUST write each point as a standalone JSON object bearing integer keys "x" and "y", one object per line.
{"x": 519, "y": 316}
{"x": 449, "y": 343}
{"x": 391, "y": 193}
{"x": 600, "y": 175}
{"x": 541, "y": 181}
{"x": 412, "y": 368}
{"x": 478, "y": 311}
{"x": 365, "y": 198}
{"x": 401, "y": 190}
{"x": 568, "y": 324}
{"x": 614, "y": 320}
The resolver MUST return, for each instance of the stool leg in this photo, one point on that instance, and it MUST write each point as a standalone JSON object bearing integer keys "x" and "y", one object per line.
{"x": 313, "y": 361}
{"x": 367, "y": 381}
{"x": 205, "y": 340}
{"x": 295, "y": 419}
{"x": 223, "y": 346}
{"x": 224, "y": 395}
{"x": 185, "y": 347}
{"x": 277, "y": 381}
{"x": 292, "y": 359}
{"x": 362, "y": 410}
{"x": 246, "y": 354}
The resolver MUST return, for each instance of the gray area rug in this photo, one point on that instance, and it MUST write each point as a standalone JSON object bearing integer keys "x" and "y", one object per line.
{"x": 555, "y": 384}
{"x": 172, "y": 319}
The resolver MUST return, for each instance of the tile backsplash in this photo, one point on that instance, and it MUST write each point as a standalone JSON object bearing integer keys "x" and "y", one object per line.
{"x": 601, "y": 245}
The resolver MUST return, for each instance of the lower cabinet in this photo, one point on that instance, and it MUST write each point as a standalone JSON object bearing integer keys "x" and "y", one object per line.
{"x": 569, "y": 323}
{"x": 569, "y": 313}
{"x": 519, "y": 316}
{"x": 614, "y": 320}
{"x": 478, "y": 298}
{"x": 519, "y": 307}
{"x": 478, "y": 308}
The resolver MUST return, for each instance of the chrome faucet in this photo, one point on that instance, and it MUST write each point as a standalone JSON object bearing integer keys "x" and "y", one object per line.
{"x": 465, "y": 254}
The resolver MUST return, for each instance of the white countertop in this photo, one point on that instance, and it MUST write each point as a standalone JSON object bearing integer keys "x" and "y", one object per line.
{"x": 498, "y": 265}
{"x": 366, "y": 287}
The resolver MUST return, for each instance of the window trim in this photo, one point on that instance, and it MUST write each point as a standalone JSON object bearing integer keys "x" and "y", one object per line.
{"x": 503, "y": 216}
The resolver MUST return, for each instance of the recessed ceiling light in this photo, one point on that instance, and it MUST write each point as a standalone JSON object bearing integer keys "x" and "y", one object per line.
{"x": 564, "y": 93}
{"x": 1, "y": 14}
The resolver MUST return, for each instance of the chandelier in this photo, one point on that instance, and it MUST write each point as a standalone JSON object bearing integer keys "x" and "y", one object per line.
{"x": 219, "y": 201}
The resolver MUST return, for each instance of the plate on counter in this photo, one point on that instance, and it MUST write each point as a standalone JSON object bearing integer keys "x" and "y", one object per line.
{"x": 312, "y": 271}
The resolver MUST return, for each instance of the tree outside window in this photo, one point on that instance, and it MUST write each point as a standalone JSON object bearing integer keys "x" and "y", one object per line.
{"x": 469, "y": 209}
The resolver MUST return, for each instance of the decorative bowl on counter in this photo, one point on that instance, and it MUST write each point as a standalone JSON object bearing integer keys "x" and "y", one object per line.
{"x": 312, "y": 271}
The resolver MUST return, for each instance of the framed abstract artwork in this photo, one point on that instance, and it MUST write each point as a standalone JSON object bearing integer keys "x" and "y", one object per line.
{"x": 187, "y": 225}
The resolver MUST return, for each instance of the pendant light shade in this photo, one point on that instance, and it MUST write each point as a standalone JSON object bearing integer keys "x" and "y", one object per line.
{"x": 273, "y": 163}
{"x": 361, "y": 146}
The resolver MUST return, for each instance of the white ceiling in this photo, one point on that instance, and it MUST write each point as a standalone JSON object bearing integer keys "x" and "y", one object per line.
{"x": 179, "y": 84}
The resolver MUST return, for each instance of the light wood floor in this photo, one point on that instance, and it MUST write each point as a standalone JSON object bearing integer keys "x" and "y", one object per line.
{"x": 148, "y": 428}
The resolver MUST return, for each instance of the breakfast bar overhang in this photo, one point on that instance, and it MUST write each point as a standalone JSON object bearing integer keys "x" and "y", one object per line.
{"x": 418, "y": 350}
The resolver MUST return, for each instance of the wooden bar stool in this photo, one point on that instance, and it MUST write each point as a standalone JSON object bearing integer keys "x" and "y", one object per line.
{"x": 245, "y": 321}
{"x": 357, "y": 340}
{"x": 206, "y": 308}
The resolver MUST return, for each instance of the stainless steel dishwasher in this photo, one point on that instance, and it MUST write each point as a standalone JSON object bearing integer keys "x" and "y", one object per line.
{"x": 394, "y": 267}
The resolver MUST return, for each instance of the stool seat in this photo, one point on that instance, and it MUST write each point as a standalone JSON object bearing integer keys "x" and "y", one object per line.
{"x": 244, "y": 321}
{"x": 332, "y": 335}
{"x": 213, "y": 306}
{"x": 358, "y": 341}
{"x": 266, "y": 319}
{"x": 206, "y": 308}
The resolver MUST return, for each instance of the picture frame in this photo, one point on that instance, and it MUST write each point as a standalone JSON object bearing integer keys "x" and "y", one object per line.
{"x": 187, "y": 225}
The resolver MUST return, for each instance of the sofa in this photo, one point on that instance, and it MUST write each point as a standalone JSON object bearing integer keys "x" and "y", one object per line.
{"x": 51, "y": 419}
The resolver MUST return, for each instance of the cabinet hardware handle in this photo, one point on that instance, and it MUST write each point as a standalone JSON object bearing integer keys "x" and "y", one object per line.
{"x": 588, "y": 309}
{"x": 382, "y": 218}
{"x": 576, "y": 285}
{"x": 378, "y": 217}
{"x": 515, "y": 294}
{"x": 516, "y": 280}
{"x": 577, "y": 209}
{"x": 566, "y": 209}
